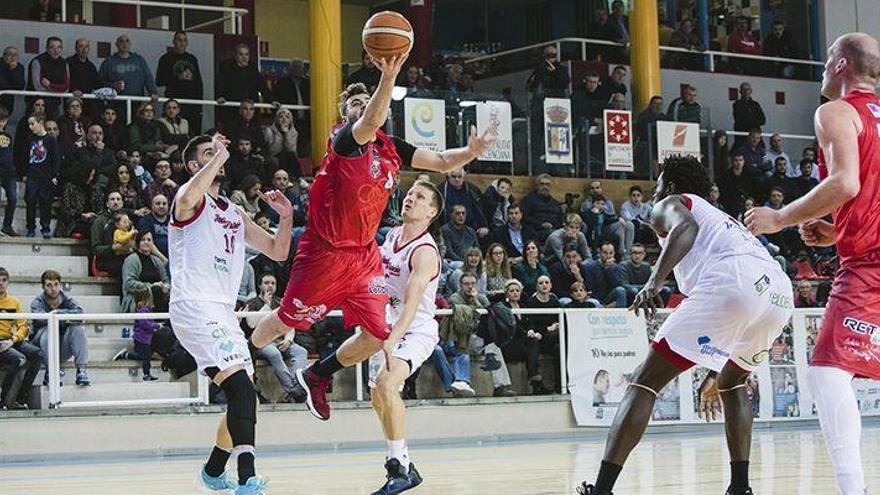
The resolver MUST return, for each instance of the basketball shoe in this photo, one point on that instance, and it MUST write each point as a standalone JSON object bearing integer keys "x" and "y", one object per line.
{"x": 316, "y": 393}
{"x": 208, "y": 484}
{"x": 586, "y": 489}
{"x": 398, "y": 480}
{"x": 731, "y": 491}
{"x": 254, "y": 486}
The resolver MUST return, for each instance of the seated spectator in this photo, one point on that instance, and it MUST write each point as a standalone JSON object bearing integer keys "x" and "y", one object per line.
{"x": 544, "y": 328}
{"x": 246, "y": 124}
{"x": 805, "y": 298}
{"x": 457, "y": 236}
{"x": 73, "y": 125}
{"x": 108, "y": 255}
{"x": 638, "y": 214}
{"x": 162, "y": 184}
{"x": 531, "y": 267}
{"x": 742, "y": 41}
{"x": 115, "y": 133}
{"x": 540, "y": 210}
{"x": 495, "y": 201}
{"x": 714, "y": 196}
{"x": 603, "y": 278}
{"x": 125, "y": 183}
{"x": 780, "y": 43}
{"x": 806, "y": 182}
{"x": 11, "y": 77}
{"x": 473, "y": 264}
{"x": 614, "y": 227}
{"x": 775, "y": 151}
{"x": 123, "y": 232}
{"x": 600, "y": 226}
{"x": 247, "y": 289}
{"x": 72, "y": 334}
{"x": 284, "y": 355}
{"x": 95, "y": 154}
{"x": 568, "y": 236}
{"x": 8, "y": 179}
{"x": 16, "y": 353}
{"x": 580, "y": 297}
{"x": 779, "y": 178}
{"x": 44, "y": 11}
{"x": 736, "y": 184}
{"x": 79, "y": 203}
{"x": 685, "y": 108}
{"x": 457, "y": 191}
{"x": 156, "y": 222}
{"x": 416, "y": 82}
{"x": 175, "y": 129}
{"x": 141, "y": 176}
{"x": 243, "y": 162}
{"x": 753, "y": 152}
{"x": 453, "y": 365}
{"x": 247, "y": 195}
{"x": 368, "y": 73}
{"x": 147, "y": 135}
{"x": 788, "y": 239}
{"x": 281, "y": 140}
{"x": 524, "y": 345}
{"x": 568, "y": 270}
{"x": 293, "y": 89}
{"x": 142, "y": 334}
{"x": 685, "y": 37}
{"x": 281, "y": 182}
{"x": 810, "y": 153}
{"x": 145, "y": 269}
{"x": 497, "y": 271}
{"x": 636, "y": 272}
{"x": 514, "y": 234}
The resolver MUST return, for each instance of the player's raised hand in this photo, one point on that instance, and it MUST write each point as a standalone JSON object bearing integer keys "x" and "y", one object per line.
{"x": 817, "y": 233}
{"x": 278, "y": 202}
{"x": 763, "y": 220}
{"x": 710, "y": 399}
{"x": 479, "y": 144}
{"x": 391, "y": 66}
{"x": 220, "y": 145}
{"x": 648, "y": 299}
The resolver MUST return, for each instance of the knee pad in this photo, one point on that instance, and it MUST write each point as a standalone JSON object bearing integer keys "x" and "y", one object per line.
{"x": 241, "y": 410}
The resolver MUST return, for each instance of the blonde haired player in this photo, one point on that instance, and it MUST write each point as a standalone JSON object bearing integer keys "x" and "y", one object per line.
{"x": 412, "y": 268}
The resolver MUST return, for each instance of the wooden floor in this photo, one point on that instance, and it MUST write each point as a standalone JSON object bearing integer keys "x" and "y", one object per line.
{"x": 783, "y": 462}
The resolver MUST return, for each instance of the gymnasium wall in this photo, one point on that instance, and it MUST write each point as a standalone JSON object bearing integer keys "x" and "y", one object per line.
{"x": 843, "y": 16}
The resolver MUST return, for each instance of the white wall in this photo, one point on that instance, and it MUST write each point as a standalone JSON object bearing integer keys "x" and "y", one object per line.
{"x": 839, "y": 17}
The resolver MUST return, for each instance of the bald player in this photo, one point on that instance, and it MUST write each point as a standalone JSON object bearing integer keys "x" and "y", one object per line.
{"x": 848, "y": 131}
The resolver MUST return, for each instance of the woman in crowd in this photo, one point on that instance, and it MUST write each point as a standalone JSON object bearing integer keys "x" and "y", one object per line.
{"x": 495, "y": 200}
{"x": 115, "y": 134}
{"x": 73, "y": 125}
{"x": 720, "y": 150}
{"x": 79, "y": 204}
{"x": 145, "y": 269}
{"x": 146, "y": 134}
{"x": 524, "y": 346}
{"x": 544, "y": 327}
{"x": 280, "y": 140}
{"x": 473, "y": 263}
{"x": 246, "y": 195}
{"x": 531, "y": 268}
{"x": 125, "y": 183}
{"x": 497, "y": 271}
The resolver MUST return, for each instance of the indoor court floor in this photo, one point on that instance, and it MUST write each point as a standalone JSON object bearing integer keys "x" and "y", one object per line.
{"x": 784, "y": 461}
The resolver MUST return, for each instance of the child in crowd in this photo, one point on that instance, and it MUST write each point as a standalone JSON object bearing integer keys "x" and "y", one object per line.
{"x": 142, "y": 335}
{"x": 580, "y": 297}
{"x": 124, "y": 232}
{"x": 140, "y": 173}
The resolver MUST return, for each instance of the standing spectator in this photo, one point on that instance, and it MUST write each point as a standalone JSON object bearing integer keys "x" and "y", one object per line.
{"x": 246, "y": 125}
{"x": 179, "y": 73}
{"x": 514, "y": 234}
{"x": 20, "y": 154}
{"x": 635, "y": 273}
{"x": 156, "y": 222}
{"x": 127, "y": 72}
{"x": 497, "y": 271}
{"x": 685, "y": 108}
{"x": 743, "y": 41}
{"x": 569, "y": 235}
{"x": 604, "y": 279}
{"x": 73, "y": 126}
{"x": 7, "y": 175}
{"x": 603, "y": 29}
{"x": 473, "y": 264}
{"x": 619, "y": 21}
{"x": 368, "y": 73}
{"x": 162, "y": 184}
{"x": 775, "y": 151}
{"x": 244, "y": 162}
{"x": 540, "y": 210}
{"x": 145, "y": 269}
{"x": 238, "y": 79}
{"x": 281, "y": 140}
{"x": 457, "y": 191}
{"x": 685, "y": 37}
{"x": 84, "y": 78}
{"x": 176, "y": 130}
{"x": 115, "y": 133}
{"x": 15, "y": 350}
{"x": 109, "y": 256}
{"x": 458, "y": 237}
{"x": 48, "y": 72}
{"x": 588, "y": 103}
{"x": 737, "y": 184}
{"x": 11, "y": 76}
{"x": 530, "y": 268}
{"x": 72, "y": 334}
{"x": 42, "y": 172}
{"x": 44, "y": 11}
{"x": 495, "y": 201}
{"x": 780, "y": 43}
{"x": 638, "y": 214}
{"x": 612, "y": 227}
{"x": 147, "y": 135}
{"x": 546, "y": 80}
{"x": 142, "y": 334}
{"x": 747, "y": 113}
{"x": 615, "y": 82}
{"x": 646, "y": 131}
{"x": 293, "y": 89}
{"x": 565, "y": 272}
{"x": 79, "y": 202}
{"x": 752, "y": 151}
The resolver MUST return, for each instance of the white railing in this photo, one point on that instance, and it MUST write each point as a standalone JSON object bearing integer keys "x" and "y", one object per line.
{"x": 54, "y": 359}
{"x": 161, "y": 99}
{"x": 231, "y": 13}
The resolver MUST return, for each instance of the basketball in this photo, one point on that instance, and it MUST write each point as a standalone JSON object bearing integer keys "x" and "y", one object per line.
{"x": 387, "y": 34}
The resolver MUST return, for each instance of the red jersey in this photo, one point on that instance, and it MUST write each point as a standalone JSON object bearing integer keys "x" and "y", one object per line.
{"x": 349, "y": 194}
{"x": 857, "y": 222}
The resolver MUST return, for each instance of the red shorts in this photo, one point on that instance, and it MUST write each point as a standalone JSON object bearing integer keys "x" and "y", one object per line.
{"x": 323, "y": 278}
{"x": 849, "y": 338}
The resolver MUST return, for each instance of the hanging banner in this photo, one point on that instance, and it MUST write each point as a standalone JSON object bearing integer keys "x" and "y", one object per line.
{"x": 497, "y": 113}
{"x": 677, "y": 138}
{"x": 618, "y": 141}
{"x": 425, "y": 123}
{"x": 557, "y": 130}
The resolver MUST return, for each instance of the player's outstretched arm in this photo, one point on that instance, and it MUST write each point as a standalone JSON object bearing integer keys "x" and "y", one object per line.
{"x": 275, "y": 246}
{"x": 425, "y": 266}
{"x": 190, "y": 195}
{"x": 376, "y": 113}
{"x": 837, "y": 129}
{"x": 449, "y": 160}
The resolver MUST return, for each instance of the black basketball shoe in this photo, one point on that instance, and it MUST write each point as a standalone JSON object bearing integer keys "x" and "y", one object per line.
{"x": 586, "y": 489}
{"x": 398, "y": 480}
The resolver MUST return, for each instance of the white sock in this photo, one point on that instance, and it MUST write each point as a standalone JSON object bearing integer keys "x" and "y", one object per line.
{"x": 841, "y": 425}
{"x": 397, "y": 450}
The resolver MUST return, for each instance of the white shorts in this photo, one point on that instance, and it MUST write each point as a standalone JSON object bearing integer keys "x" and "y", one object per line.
{"x": 211, "y": 333}
{"x": 733, "y": 314}
{"x": 414, "y": 348}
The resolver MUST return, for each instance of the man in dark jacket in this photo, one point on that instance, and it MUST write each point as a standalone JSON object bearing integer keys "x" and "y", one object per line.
{"x": 457, "y": 191}
{"x": 685, "y": 108}
{"x": 780, "y": 43}
{"x": 736, "y": 184}
{"x": 95, "y": 154}
{"x": 368, "y": 73}
{"x": 514, "y": 235}
{"x": 605, "y": 279}
{"x": 11, "y": 76}
{"x": 48, "y": 72}
{"x": 747, "y": 113}
{"x": 540, "y": 210}
{"x": 84, "y": 75}
{"x": 568, "y": 270}
{"x": 238, "y": 79}
{"x": 108, "y": 256}
{"x": 179, "y": 73}
{"x": 293, "y": 89}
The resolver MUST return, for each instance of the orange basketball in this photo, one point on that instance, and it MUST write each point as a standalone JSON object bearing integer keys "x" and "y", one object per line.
{"x": 387, "y": 34}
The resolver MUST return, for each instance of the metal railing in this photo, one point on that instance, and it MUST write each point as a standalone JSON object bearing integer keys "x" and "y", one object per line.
{"x": 235, "y": 14}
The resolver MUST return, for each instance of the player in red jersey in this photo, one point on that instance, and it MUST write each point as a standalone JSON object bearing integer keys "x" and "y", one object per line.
{"x": 848, "y": 131}
{"x": 337, "y": 263}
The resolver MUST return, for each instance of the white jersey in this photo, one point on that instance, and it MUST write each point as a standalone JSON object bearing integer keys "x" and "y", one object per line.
{"x": 206, "y": 253}
{"x": 397, "y": 260}
{"x": 720, "y": 237}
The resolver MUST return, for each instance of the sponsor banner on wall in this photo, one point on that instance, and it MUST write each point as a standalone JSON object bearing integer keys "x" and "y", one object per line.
{"x": 425, "y": 123}
{"x": 557, "y": 130}
{"x": 497, "y": 113}
{"x": 618, "y": 141}
{"x": 677, "y": 138}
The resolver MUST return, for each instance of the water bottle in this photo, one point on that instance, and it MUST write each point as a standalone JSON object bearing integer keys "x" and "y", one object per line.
{"x": 126, "y": 332}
